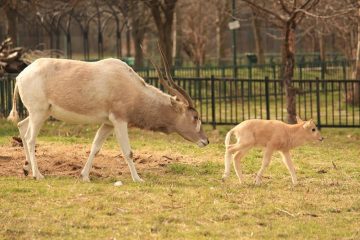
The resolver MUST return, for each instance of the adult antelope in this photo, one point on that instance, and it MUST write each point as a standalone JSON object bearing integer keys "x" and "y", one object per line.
{"x": 107, "y": 92}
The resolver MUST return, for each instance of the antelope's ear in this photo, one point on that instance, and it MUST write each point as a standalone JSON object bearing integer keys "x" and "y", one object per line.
{"x": 299, "y": 120}
{"x": 308, "y": 124}
{"x": 176, "y": 104}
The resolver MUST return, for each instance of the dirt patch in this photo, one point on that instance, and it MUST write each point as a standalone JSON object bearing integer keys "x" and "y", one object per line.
{"x": 68, "y": 160}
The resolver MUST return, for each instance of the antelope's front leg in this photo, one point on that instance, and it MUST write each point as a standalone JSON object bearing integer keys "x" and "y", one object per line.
{"x": 290, "y": 166}
{"x": 121, "y": 132}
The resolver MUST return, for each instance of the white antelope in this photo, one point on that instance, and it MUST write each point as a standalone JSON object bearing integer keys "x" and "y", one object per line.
{"x": 107, "y": 92}
{"x": 271, "y": 135}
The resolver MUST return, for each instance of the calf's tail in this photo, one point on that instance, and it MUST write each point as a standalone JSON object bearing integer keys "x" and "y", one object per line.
{"x": 227, "y": 155}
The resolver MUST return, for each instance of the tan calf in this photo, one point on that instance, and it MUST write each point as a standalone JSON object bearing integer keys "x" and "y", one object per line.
{"x": 271, "y": 135}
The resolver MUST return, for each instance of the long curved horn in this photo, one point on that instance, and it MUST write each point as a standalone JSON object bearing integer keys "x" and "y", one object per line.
{"x": 165, "y": 84}
{"x": 171, "y": 80}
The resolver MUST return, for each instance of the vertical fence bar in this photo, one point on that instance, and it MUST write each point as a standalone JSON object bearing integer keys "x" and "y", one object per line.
{"x": 267, "y": 98}
{"x": 213, "y": 101}
{"x": 318, "y": 102}
{"x": 2, "y": 95}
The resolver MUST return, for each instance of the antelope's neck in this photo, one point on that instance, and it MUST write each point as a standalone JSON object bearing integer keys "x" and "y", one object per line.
{"x": 296, "y": 136}
{"x": 153, "y": 112}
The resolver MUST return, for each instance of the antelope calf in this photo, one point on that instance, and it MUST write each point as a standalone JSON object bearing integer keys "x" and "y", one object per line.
{"x": 271, "y": 135}
{"x": 107, "y": 92}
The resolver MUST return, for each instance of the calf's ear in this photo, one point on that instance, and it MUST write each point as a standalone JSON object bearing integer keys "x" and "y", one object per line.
{"x": 299, "y": 120}
{"x": 308, "y": 124}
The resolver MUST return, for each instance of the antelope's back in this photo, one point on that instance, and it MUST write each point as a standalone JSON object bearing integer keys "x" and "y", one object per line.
{"x": 85, "y": 88}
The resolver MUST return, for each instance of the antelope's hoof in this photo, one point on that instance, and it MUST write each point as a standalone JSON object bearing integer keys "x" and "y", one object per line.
{"x": 139, "y": 180}
{"x": 39, "y": 176}
{"x": 26, "y": 168}
{"x": 85, "y": 179}
{"x": 224, "y": 177}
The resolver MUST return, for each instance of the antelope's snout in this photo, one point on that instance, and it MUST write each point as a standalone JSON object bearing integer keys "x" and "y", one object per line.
{"x": 203, "y": 142}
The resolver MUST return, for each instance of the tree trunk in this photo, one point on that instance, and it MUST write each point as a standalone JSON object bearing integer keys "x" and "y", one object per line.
{"x": 354, "y": 91}
{"x": 322, "y": 47}
{"x": 128, "y": 42}
{"x": 221, "y": 30}
{"x": 258, "y": 39}
{"x": 288, "y": 59}
{"x": 68, "y": 45}
{"x": 139, "y": 56}
{"x": 138, "y": 37}
{"x": 11, "y": 30}
{"x": 163, "y": 16}
{"x": 165, "y": 40}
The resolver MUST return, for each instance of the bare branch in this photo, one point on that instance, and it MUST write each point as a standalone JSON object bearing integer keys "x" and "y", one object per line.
{"x": 277, "y": 16}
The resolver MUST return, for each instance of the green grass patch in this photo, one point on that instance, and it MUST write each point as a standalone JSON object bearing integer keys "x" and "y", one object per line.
{"x": 189, "y": 200}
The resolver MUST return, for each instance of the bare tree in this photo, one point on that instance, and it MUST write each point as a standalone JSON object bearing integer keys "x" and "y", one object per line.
{"x": 10, "y": 8}
{"x": 256, "y": 24}
{"x": 84, "y": 14}
{"x": 139, "y": 19}
{"x": 163, "y": 15}
{"x": 196, "y": 27}
{"x": 354, "y": 96}
{"x": 223, "y": 17}
{"x": 287, "y": 15}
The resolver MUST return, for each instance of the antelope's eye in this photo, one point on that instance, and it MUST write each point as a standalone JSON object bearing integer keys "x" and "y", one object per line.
{"x": 313, "y": 129}
{"x": 196, "y": 118}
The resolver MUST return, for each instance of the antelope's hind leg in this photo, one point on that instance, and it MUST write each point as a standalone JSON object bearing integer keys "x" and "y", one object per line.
{"x": 36, "y": 121}
{"x": 228, "y": 157}
{"x": 103, "y": 132}
{"x": 265, "y": 163}
{"x": 23, "y": 126}
{"x": 237, "y": 160}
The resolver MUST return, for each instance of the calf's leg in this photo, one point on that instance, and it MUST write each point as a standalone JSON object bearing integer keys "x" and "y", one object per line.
{"x": 265, "y": 163}
{"x": 290, "y": 166}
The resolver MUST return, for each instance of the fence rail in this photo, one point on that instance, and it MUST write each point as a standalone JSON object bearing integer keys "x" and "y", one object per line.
{"x": 228, "y": 101}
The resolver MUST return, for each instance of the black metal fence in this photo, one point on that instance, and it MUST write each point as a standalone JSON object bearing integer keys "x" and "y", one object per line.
{"x": 228, "y": 101}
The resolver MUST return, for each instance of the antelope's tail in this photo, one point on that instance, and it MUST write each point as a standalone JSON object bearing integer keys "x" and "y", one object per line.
{"x": 14, "y": 115}
{"x": 227, "y": 155}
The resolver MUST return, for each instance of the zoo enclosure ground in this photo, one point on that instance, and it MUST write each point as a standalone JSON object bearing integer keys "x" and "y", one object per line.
{"x": 183, "y": 196}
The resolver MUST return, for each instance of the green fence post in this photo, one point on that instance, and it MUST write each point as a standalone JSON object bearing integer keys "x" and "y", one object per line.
{"x": 267, "y": 98}
{"x": 2, "y": 96}
{"x": 318, "y": 102}
{"x": 197, "y": 70}
{"x": 250, "y": 78}
{"x": 323, "y": 70}
{"x": 274, "y": 70}
{"x": 213, "y": 102}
